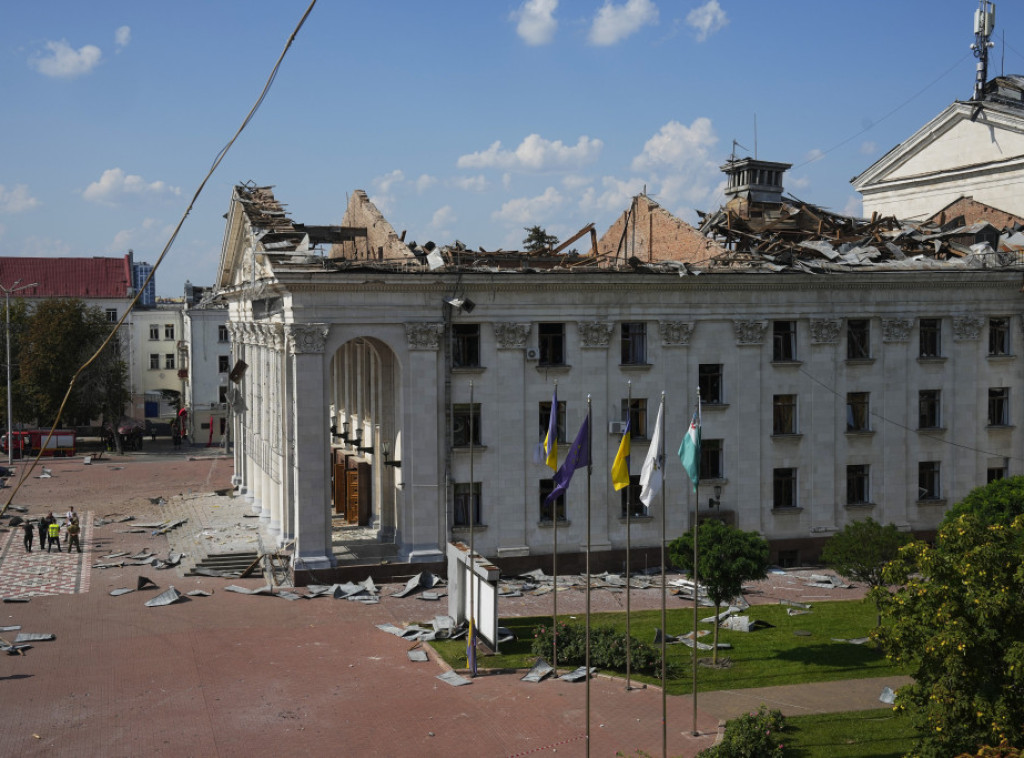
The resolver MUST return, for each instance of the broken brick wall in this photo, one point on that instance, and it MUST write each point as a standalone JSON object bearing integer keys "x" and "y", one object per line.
{"x": 381, "y": 241}
{"x": 973, "y": 212}
{"x": 654, "y": 234}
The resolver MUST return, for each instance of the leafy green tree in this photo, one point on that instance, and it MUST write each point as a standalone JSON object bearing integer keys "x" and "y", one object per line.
{"x": 538, "y": 239}
{"x": 861, "y": 550}
{"x": 997, "y": 502}
{"x": 19, "y": 324}
{"x": 726, "y": 558}
{"x": 957, "y": 621}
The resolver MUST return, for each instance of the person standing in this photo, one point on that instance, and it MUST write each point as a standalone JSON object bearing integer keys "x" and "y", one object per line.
{"x": 53, "y": 532}
{"x": 68, "y": 518}
{"x": 43, "y": 523}
{"x": 30, "y": 531}
{"x": 73, "y": 532}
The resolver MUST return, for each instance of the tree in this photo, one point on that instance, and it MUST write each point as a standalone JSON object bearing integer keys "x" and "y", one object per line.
{"x": 958, "y": 622}
{"x": 538, "y": 239}
{"x": 997, "y": 502}
{"x": 861, "y": 550}
{"x": 19, "y": 323}
{"x": 726, "y": 558}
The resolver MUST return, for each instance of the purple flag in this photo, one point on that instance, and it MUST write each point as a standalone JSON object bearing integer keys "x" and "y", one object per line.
{"x": 577, "y": 457}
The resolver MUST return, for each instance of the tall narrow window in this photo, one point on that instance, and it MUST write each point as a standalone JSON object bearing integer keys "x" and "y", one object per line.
{"x": 998, "y": 406}
{"x": 784, "y": 414}
{"x": 709, "y": 379}
{"x": 928, "y": 480}
{"x": 997, "y": 472}
{"x": 634, "y": 343}
{"x": 112, "y": 315}
{"x": 154, "y": 331}
{"x": 857, "y": 412}
{"x": 168, "y": 331}
{"x": 784, "y": 488}
{"x": 712, "y": 459}
{"x": 466, "y": 345}
{"x": 999, "y": 336}
{"x": 466, "y": 501}
{"x": 857, "y": 492}
{"x": 222, "y": 333}
{"x": 223, "y": 362}
{"x": 551, "y": 342}
{"x": 931, "y": 338}
{"x": 637, "y": 415}
{"x": 858, "y": 339}
{"x": 546, "y": 487}
{"x": 169, "y": 361}
{"x": 545, "y": 418}
{"x": 784, "y": 341}
{"x": 154, "y": 360}
{"x": 463, "y": 413}
{"x": 630, "y": 498}
{"x": 929, "y": 406}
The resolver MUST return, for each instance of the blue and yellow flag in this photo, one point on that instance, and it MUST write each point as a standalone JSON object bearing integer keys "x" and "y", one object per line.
{"x": 620, "y": 466}
{"x": 551, "y": 438}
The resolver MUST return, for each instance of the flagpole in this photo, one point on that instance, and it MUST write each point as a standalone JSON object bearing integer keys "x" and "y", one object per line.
{"x": 629, "y": 514}
{"x": 590, "y": 471}
{"x": 472, "y": 518}
{"x": 696, "y": 505}
{"x": 554, "y": 553}
{"x": 664, "y": 627}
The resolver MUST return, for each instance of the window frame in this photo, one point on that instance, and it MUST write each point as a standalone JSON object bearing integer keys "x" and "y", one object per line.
{"x": 168, "y": 331}
{"x": 551, "y": 343}
{"x": 544, "y": 416}
{"x": 636, "y": 413}
{"x": 710, "y": 381}
{"x": 154, "y": 361}
{"x": 929, "y": 409}
{"x": 784, "y": 488}
{"x": 460, "y": 415}
{"x": 466, "y": 346}
{"x": 929, "y": 479}
{"x": 930, "y": 338}
{"x": 998, "y": 406}
{"x": 154, "y": 331}
{"x": 545, "y": 487}
{"x": 223, "y": 364}
{"x": 858, "y": 339}
{"x": 783, "y": 411}
{"x": 858, "y": 484}
{"x": 631, "y": 495}
{"x": 223, "y": 335}
{"x": 858, "y": 411}
{"x": 111, "y": 315}
{"x": 461, "y": 492}
{"x": 169, "y": 362}
{"x": 633, "y": 342}
{"x": 784, "y": 341}
{"x": 999, "y": 336}
{"x": 712, "y": 459}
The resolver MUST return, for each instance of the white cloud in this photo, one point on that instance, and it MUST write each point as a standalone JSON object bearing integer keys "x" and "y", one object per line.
{"x": 707, "y": 19}
{"x": 425, "y": 182}
{"x": 798, "y": 182}
{"x": 443, "y": 217}
{"x": 530, "y": 210}
{"x": 384, "y": 183}
{"x": 868, "y": 148}
{"x": 64, "y": 62}
{"x": 122, "y": 36}
{"x": 854, "y": 206}
{"x": 536, "y": 23}
{"x": 476, "y": 183}
{"x": 677, "y": 145}
{"x": 535, "y": 154}
{"x": 506, "y": 180}
{"x": 17, "y": 199}
{"x": 613, "y": 23}
{"x": 115, "y": 183}
{"x": 814, "y": 155}
{"x": 574, "y": 181}
{"x": 615, "y": 197}
{"x": 43, "y": 247}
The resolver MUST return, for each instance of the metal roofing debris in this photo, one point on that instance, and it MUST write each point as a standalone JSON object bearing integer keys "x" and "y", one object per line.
{"x": 34, "y": 637}
{"x": 887, "y": 696}
{"x": 15, "y": 628}
{"x": 417, "y": 655}
{"x": 265, "y": 590}
{"x": 540, "y": 670}
{"x": 121, "y": 591}
{"x": 853, "y": 641}
{"x": 424, "y": 579}
{"x": 739, "y": 624}
{"x": 168, "y": 526}
{"x": 289, "y": 595}
{"x": 450, "y": 677}
{"x": 391, "y": 629}
{"x": 145, "y": 583}
{"x": 578, "y": 675}
{"x": 170, "y": 595}
{"x": 16, "y": 599}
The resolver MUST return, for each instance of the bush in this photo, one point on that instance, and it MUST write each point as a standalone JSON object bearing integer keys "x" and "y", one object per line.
{"x": 607, "y": 648}
{"x": 753, "y": 735}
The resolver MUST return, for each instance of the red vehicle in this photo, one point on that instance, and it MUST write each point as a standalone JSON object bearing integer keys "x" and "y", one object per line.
{"x": 28, "y": 443}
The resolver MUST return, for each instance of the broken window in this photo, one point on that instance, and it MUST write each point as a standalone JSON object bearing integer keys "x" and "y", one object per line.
{"x": 222, "y": 396}
{"x": 858, "y": 339}
{"x": 551, "y": 342}
{"x": 636, "y": 412}
{"x": 154, "y": 331}
{"x": 466, "y": 345}
{"x": 929, "y": 406}
{"x": 928, "y": 480}
{"x": 784, "y": 414}
{"x": 998, "y": 406}
{"x": 154, "y": 360}
{"x": 169, "y": 361}
{"x": 630, "y": 499}
{"x": 857, "y": 412}
{"x": 712, "y": 463}
{"x": 545, "y": 419}
{"x": 784, "y": 341}
{"x": 223, "y": 364}
{"x": 168, "y": 331}
{"x": 634, "y": 343}
{"x": 466, "y": 500}
{"x": 709, "y": 380}
{"x": 784, "y": 488}
{"x": 931, "y": 338}
{"x": 465, "y": 415}
{"x": 222, "y": 333}
{"x": 857, "y": 491}
{"x": 999, "y": 336}
{"x": 546, "y": 487}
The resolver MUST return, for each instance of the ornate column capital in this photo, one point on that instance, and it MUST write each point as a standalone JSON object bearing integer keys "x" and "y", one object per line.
{"x": 896, "y": 329}
{"x": 825, "y": 331}
{"x": 674, "y": 333}
{"x": 423, "y": 335}
{"x": 511, "y": 336}
{"x": 967, "y": 327}
{"x": 306, "y": 338}
{"x": 749, "y": 332}
{"x": 595, "y": 334}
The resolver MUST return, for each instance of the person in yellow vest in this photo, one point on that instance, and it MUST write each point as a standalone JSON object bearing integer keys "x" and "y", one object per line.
{"x": 73, "y": 531}
{"x": 53, "y": 535}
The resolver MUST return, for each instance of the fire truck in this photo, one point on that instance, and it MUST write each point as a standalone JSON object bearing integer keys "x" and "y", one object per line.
{"x": 29, "y": 442}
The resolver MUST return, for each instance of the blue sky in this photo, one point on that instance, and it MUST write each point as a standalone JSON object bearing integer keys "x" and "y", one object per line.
{"x": 461, "y": 119}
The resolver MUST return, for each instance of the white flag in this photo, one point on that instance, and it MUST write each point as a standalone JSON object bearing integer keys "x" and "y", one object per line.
{"x": 650, "y": 474}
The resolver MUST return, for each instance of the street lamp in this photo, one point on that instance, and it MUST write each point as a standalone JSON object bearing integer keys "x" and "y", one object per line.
{"x": 8, "y": 291}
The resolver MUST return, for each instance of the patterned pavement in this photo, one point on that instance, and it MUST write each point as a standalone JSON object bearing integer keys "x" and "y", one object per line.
{"x": 39, "y": 573}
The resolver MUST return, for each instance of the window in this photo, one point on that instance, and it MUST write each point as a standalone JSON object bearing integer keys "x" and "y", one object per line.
{"x": 928, "y": 480}
{"x": 997, "y": 472}
{"x": 784, "y": 414}
{"x": 545, "y": 418}
{"x": 466, "y": 345}
{"x": 154, "y": 360}
{"x": 630, "y": 496}
{"x": 223, "y": 364}
{"x": 857, "y": 491}
{"x": 784, "y": 341}
{"x": 998, "y": 406}
{"x": 784, "y": 488}
{"x": 222, "y": 394}
{"x": 857, "y": 412}
{"x": 168, "y": 331}
{"x": 466, "y": 500}
{"x": 112, "y": 315}
{"x": 222, "y": 333}
{"x": 931, "y": 338}
{"x": 712, "y": 465}
{"x": 154, "y": 331}
{"x": 999, "y": 336}
{"x": 858, "y": 339}
{"x": 463, "y": 415}
{"x": 169, "y": 361}
{"x": 546, "y": 486}
{"x": 636, "y": 412}
{"x": 634, "y": 343}
{"x": 709, "y": 380}
{"x": 551, "y": 341}
{"x": 929, "y": 404}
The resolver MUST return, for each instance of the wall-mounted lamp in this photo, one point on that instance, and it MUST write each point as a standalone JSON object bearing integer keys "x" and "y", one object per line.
{"x": 385, "y": 450}
{"x": 714, "y": 502}
{"x": 463, "y": 304}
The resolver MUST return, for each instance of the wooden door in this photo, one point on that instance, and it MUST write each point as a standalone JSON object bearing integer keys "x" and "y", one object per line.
{"x": 338, "y": 489}
{"x": 352, "y": 496}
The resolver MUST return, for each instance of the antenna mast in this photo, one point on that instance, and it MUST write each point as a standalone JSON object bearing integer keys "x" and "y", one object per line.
{"x": 984, "y": 23}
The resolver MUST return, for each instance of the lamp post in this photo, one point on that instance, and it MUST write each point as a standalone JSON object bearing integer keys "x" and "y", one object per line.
{"x": 8, "y": 291}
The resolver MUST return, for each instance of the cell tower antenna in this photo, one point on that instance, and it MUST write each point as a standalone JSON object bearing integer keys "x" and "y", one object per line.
{"x": 984, "y": 23}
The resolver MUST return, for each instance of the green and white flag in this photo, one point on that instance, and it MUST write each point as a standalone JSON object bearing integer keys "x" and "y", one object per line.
{"x": 689, "y": 449}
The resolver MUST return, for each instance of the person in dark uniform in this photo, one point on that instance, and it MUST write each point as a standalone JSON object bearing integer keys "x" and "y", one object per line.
{"x": 43, "y": 523}
{"x": 30, "y": 532}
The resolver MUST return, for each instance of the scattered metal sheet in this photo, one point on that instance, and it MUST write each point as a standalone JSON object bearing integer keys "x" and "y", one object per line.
{"x": 668, "y": 637}
{"x": 203, "y": 571}
{"x": 265, "y": 590}
{"x": 168, "y": 596}
{"x": 121, "y": 591}
{"x": 853, "y": 641}
{"x": 795, "y": 604}
{"x": 114, "y": 555}
{"x": 738, "y": 624}
{"x": 144, "y": 583}
{"x": 796, "y": 612}
{"x": 541, "y": 670}
{"x": 15, "y": 628}
{"x": 144, "y": 555}
{"x": 443, "y": 625}
{"x": 391, "y": 629}
{"x": 888, "y": 696}
{"x": 289, "y": 595}
{"x": 118, "y": 564}
{"x": 417, "y": 656}
{"x": 430, "y": 596}
{"x": 34, "y": 637}
{"x": 318, "y": 590}
{"x": 450, "y": 677}
{"x": 199, "y": 593}
{"x": 578, "y": 675}
{"x": 801, "y": 633}
{"x": 16, "y": 599}
{"x": 505, "y": 635}
{"x": 424, "y": 580}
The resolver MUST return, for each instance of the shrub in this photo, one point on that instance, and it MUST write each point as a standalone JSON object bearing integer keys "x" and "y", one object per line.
{"x": 753, "y": 735}
{"x": 607, "y": 648}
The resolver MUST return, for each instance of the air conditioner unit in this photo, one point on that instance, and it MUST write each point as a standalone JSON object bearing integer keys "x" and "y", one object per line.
{"x": 532, "y": 354}
{"x": 616, "y": 427}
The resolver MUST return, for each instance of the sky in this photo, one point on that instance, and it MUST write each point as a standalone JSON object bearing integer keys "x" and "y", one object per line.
{"x": 462, "y": 119}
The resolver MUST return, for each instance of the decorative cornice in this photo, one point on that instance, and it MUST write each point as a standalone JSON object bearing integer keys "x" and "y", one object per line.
{"x": 749, "y": 332}
{"x": 825, "y": 331}
{"x": 511, "y": 336}
{"x": 306, "y": 338}
{"x": 675, "y": 333}
{"x": 896, "y": 329}
{"x": 595, "y": 334}
{"x": 967, "y": 327}
{"x": 423, "y": 335}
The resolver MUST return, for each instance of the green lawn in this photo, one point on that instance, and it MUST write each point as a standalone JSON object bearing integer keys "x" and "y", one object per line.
{"x": 858, "y": 734}
{"x": 771, "y": 655}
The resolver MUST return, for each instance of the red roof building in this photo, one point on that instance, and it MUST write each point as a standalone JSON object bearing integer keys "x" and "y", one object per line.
{"x": 86, "y": 278}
